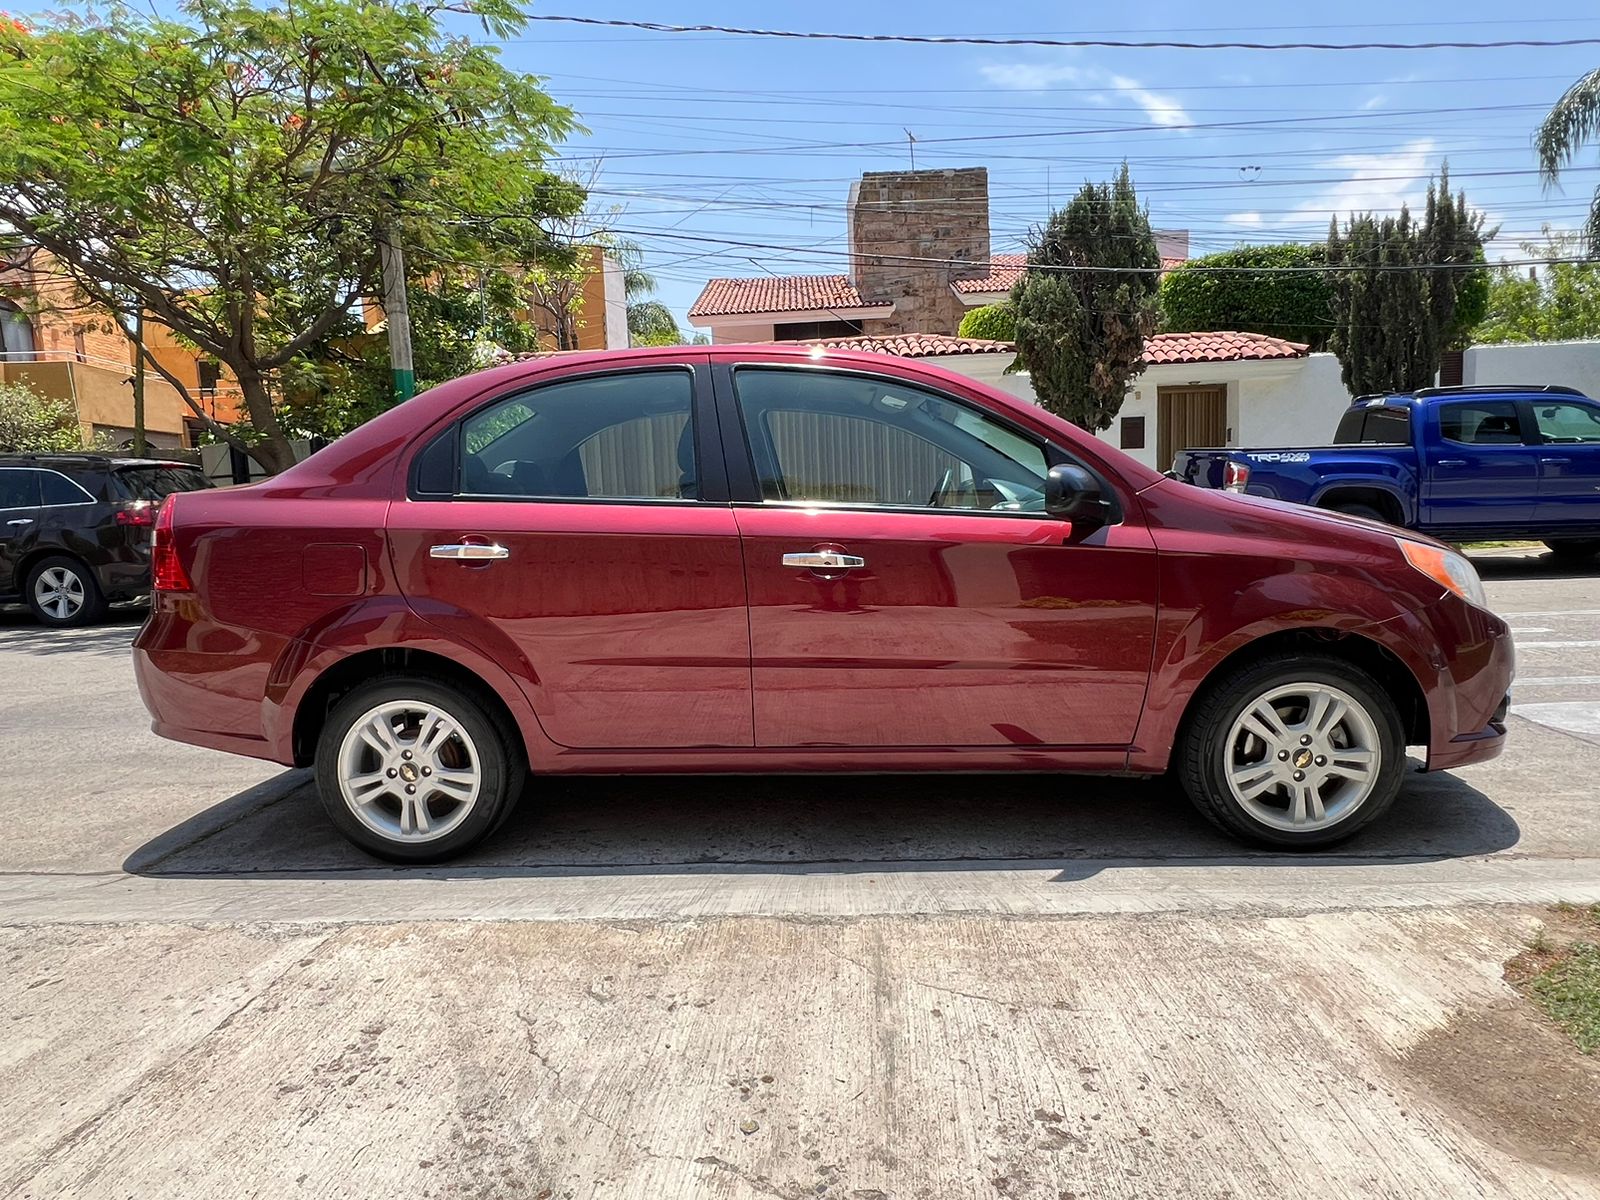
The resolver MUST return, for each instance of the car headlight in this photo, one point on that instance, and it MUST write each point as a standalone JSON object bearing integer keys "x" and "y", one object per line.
{"x": 1446, "y": 568}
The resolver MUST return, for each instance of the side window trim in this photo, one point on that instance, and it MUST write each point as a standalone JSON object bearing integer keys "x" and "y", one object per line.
{"x": 702, "y": 418}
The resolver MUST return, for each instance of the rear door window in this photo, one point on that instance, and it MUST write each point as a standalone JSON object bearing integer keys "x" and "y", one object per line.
{"x": 1481, "y": 423}
{"x": 157, "y": 481}
{"x": 56, "y": 488}
{"x": 19, "y": 487}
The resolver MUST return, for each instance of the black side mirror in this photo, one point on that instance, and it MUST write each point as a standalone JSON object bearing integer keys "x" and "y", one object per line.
{"x": 1073, "y": 494}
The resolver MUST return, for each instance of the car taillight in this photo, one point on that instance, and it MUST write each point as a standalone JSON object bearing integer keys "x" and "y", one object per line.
{"x": 166, "y": 570}
{"x": 141, "y": 514}
{"x": 1235, "y": 475}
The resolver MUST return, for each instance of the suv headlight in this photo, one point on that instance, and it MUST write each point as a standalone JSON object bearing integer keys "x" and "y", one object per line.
{"x": 1446, "y": 568}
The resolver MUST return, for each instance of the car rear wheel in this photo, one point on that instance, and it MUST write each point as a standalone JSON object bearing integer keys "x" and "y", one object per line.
{"x": 416, "y": 770}
{"x": 1299, "y": 752}
{"x": 63, "y": 592}
{"x": 1575, "y": 549}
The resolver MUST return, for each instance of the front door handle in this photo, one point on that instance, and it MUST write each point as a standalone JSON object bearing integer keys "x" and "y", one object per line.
{"x": 1451, "y": 462}
{"x": 823, "y": 560}
{"x": 470, "y": 551}
{"x": 1555, "y": 462}
{"x": 21, "y": 521}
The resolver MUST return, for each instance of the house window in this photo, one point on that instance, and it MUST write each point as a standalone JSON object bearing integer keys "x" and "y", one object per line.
{"x": 16, "y": 334}
{"x": 1132, "y": 433}
{"x": 805, "y": 331}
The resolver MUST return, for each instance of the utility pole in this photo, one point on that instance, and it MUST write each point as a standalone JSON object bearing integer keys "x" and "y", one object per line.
{"x": 139, "y": 449}
{"x": 397, "y": 314}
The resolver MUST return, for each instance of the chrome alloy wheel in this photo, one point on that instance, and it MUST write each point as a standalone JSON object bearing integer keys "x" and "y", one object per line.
{"x": 409, "y": 771}
{"x": 59, "y": 592}
{"x": 1302, "y": 757}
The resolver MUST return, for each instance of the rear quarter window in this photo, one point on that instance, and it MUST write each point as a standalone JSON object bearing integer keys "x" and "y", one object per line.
{"x": 156, "y": 482}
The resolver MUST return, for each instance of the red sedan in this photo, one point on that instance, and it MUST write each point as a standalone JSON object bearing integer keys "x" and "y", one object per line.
{"x": 764, "y": 558}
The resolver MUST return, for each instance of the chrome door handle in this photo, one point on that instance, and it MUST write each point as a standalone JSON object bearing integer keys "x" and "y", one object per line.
{"x": 823, "y": 560}
{"x": 21, "y": 521}
{"x": 1451, "y": 462}
{"x": 1556, "y": 462}
{"x": 470, "y": 551}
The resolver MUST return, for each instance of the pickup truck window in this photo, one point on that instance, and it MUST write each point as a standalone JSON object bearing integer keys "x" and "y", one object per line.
{"x": 1481, "y": 423}
{"x": 1380, "y": 426}
{"x": 1567, "y": 422}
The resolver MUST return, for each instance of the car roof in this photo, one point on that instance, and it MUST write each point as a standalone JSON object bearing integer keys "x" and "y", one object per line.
{"x": 92, "y": 460}
{"x": 1427, "y": 395}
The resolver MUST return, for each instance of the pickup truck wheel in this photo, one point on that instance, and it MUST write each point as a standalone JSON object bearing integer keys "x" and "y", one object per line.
{"x": 1361, "y": 510}
{"x": 1574, "y": 549}
{"x": 1296, "y": 753}
{"x": 416, "y": 770}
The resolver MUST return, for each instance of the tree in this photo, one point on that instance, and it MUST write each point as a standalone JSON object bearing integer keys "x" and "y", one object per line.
{"x": 1396, "y": 285}
{"x": 232, "y": 170}
{"x": 1563, "y": 304}
{"x": 1087, "y": 301}
{"x": 1276, "y": 289}
{"x": 651, "y": 323}
{"x": 34, "y": 424}
{"x": 1571, "y": 123}
{"x": 996, "y": 322}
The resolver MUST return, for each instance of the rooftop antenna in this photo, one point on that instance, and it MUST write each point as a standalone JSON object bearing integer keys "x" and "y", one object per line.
{"x": 911, "y": 144}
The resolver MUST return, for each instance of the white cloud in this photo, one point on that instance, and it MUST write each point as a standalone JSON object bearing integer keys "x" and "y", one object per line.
{"x": 1379, "y": 183}
{"x": 1376, "y": 100}
{"x": 1252, "y": 219}
{"x": 1161, "y": 110}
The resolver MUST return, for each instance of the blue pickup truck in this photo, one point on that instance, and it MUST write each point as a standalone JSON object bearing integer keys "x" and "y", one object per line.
{"x": 1460, "y": 463}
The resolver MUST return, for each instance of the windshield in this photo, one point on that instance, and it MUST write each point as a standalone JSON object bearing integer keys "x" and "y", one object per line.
{"x": 156, "y": 481}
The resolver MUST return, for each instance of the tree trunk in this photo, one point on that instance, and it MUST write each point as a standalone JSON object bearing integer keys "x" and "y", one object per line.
{"x": 273, "y": 451}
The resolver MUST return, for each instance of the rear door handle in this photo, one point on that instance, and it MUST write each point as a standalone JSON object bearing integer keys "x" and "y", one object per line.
{"x": 1451, "y": 462}
{"x": 823, "y": 560}
{"x": 470, "y": 551}
{"x": 1555, "y": 462}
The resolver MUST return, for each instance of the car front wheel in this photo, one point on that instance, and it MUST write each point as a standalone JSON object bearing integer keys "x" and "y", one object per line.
{"x": 1300, "y": 752}
{"x": 416, "y": 770}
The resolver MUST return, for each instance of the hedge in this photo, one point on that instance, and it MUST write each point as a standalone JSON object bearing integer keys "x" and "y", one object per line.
{"x": 993, "y": 321}
{"x": 1296, "y": 305}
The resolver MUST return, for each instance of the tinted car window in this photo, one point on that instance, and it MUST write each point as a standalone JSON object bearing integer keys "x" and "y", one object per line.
{"x": 618, "y": 437}
{"x": 845, "y": 439}
{"x": 157, "y": 482}
{"x": 1567, "y": 422}
{"x": 1481, "y": 423}
{"x": 1374, "y": 426}
{"x": 19, "y": 487}
{"x": 56, "y": 488}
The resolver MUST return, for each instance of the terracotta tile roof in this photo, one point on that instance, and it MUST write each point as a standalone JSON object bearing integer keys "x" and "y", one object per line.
{"x": 1222, "y": 346}
{"x": 915, "y": 345}
{"x": 1006, "y": 269}
{"x": 776, "y": 294}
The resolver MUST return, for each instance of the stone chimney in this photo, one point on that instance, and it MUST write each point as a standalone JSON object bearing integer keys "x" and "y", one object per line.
{"x": 914, "y": 233}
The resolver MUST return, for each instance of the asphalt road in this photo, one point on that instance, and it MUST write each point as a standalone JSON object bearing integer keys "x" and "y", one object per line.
{"x": 946, "y": 986}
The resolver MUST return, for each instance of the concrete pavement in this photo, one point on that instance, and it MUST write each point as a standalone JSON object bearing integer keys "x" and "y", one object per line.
{"x": 959, "y": 986}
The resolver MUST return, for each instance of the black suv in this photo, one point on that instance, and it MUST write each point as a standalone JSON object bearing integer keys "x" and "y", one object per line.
{"x": 75, "y": 529}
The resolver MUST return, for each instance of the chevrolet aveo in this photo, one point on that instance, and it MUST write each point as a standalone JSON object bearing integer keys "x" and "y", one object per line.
{"x": 774, "y": 559}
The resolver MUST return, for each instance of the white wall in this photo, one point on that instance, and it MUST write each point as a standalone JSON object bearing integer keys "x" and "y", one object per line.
{"x": 1571, "y": 364}
{"x": 616, "y": 298}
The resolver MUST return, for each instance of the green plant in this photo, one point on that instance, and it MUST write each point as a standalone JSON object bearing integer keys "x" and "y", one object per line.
{"x": 1571, "y": 123}
{"x": 651, "y": 323}
{"x": 1274, "y": 289}
{"x": 230, "y": 167}
{"x": 1087, "y": 301}
{"x": 35, "y": 424}
{"x": 996, "y": 322}
{"x": 1561, "y": 303}
{"x": 1397, "y": 287}
{"x": 1569, "y": 991}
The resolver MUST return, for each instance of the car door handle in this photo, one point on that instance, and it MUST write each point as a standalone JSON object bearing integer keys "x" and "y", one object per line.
{"x": 1555, "y": 462}
{"x": 1451, "y": 462}
{"x": 823, "y": 560}
{"x": 470, "y": 551}
{"x": 21, "y": 521}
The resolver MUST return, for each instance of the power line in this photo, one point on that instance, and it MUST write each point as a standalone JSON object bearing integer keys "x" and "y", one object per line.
{"x": 1067, "y": 43}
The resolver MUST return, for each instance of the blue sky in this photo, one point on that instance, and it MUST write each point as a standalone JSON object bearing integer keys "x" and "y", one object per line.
{"x": 707, "y": 140}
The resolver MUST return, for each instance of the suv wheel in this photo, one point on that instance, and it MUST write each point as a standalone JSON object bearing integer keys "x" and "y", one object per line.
{"x": 416, "y": 770}
{"x": 62, "y": 591}
{"x": 1299, "y": 752}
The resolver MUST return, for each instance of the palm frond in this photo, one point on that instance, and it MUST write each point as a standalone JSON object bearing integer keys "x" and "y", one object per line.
{"x": 1573, "y": 120}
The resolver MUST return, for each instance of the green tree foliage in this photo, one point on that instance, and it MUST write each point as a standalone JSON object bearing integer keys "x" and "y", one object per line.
{"x": 1274, "y": 289}
{"x": 995, "y": 322}
{"x": 1081, "y": 326}
{"x": 1567, "y": 128}
{"x": 1561, "y": 303}
{"x": 1396, "y": 286}
{"x": 651, "y": 323}
{"x": 231, "y": 165}
{"x": 34, "y": 424}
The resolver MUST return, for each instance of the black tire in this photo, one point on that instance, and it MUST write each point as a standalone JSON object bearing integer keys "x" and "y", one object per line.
{"x": 92, "y": 607}
{"x": 1361, "y": 510}
{"x": 1203, "y": 747}
{"x": 500, "y": 762}
{"x": 1574, "y": 550}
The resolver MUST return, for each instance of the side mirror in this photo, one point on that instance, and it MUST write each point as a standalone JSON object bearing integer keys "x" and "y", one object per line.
{"x": 1072, "y": 494}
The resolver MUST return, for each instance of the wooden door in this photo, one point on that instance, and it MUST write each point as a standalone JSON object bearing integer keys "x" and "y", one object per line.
{"x": 1188, "y": 417}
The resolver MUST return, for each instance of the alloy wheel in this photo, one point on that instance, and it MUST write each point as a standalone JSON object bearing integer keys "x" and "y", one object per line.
{"x": 59, "y": 592}
{"x": 1302, "y": 757}
{"x": 409, "y": 771}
